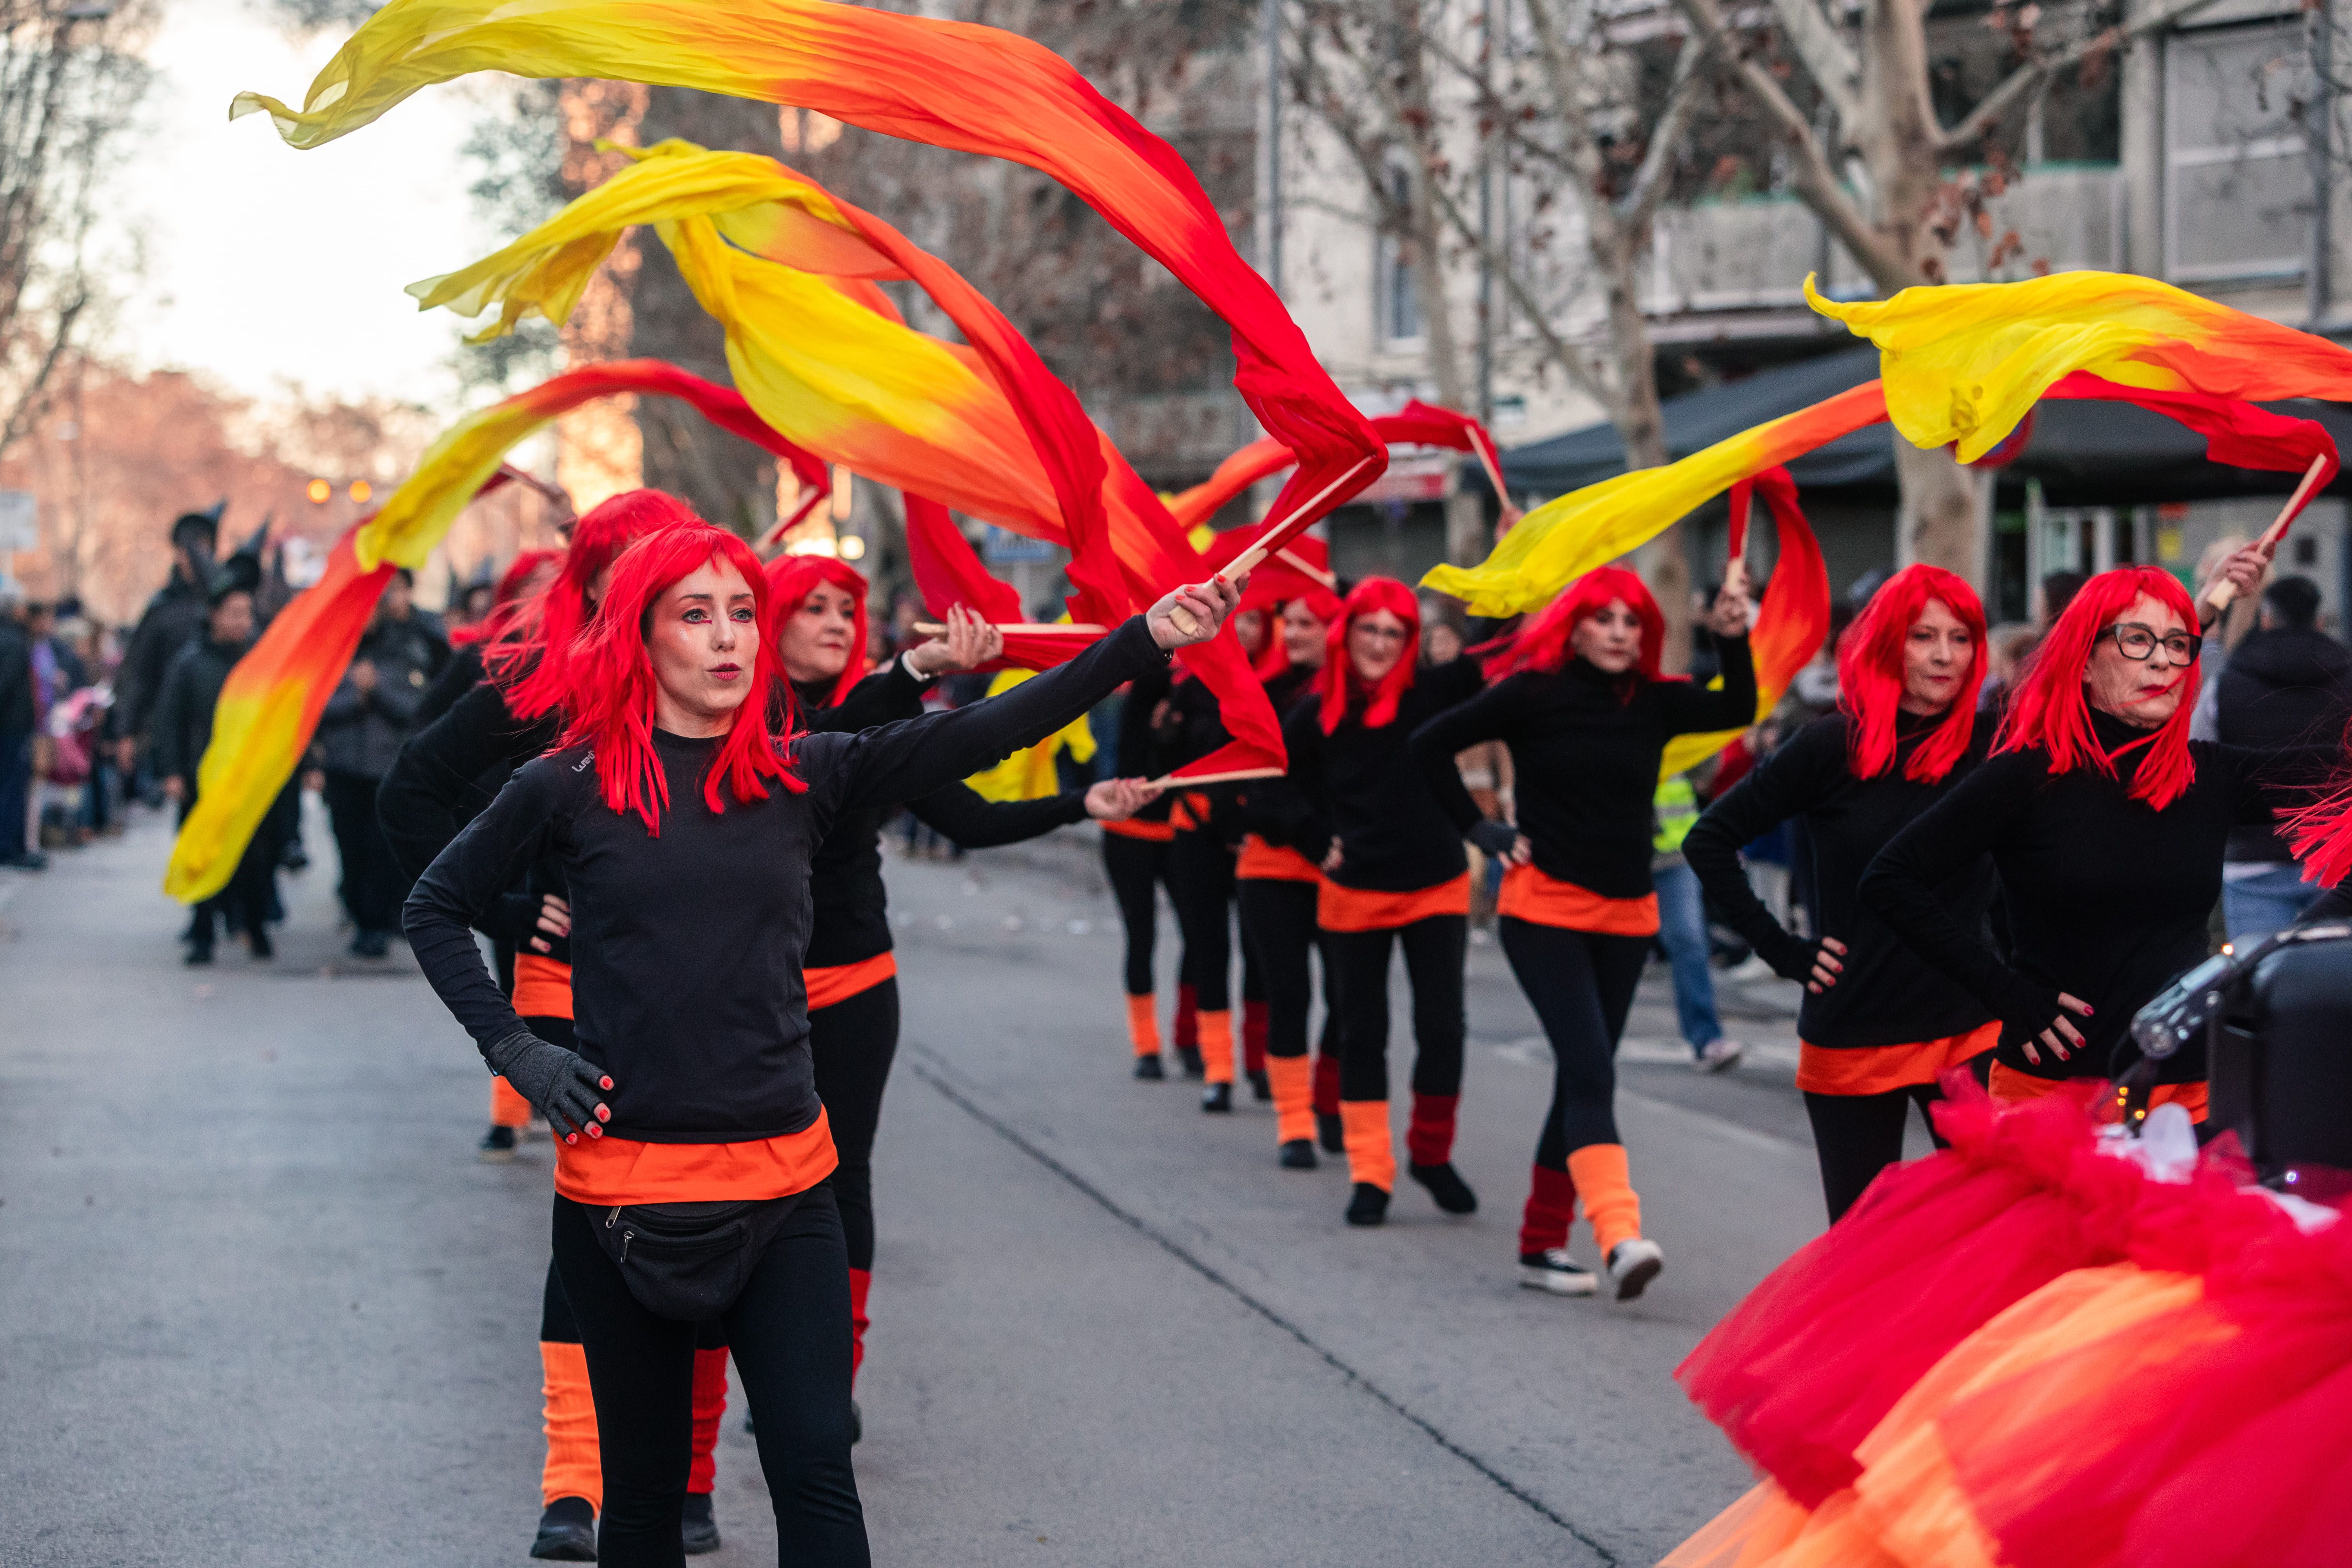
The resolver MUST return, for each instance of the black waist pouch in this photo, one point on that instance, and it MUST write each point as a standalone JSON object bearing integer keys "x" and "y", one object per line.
{"x": 689, "y": 1261}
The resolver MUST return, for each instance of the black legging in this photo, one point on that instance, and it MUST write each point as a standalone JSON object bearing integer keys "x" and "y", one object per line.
{"x": 1858, "y": 1135}
{"x": 1582, "y": 986}
{"x": 853, "y": 1042}
{"x": 1435, "y": 949}
{"x": 1200, "y": 884}
{"x": 1135, "y": 867}
{"x": 1278, "y": 919}
{"x": 790, "y": 1333}
{"x": 373, "y": 887}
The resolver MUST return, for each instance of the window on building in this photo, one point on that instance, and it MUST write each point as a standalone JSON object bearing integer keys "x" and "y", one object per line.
{"x": 2238, "y": 189}
{"x": 1399, "y": 305}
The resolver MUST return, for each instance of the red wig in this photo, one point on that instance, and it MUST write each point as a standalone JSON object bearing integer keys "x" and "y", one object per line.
{"x": 790, "y": 580}
{"x": 1543, "y": 641}
{"x": 503, "y": 608}
{"x": 610, "y": 696}
{"x": 1870, "y": 674}
{"x": 529, "y": 658}
{"x": 1321, "y": 602}
{"x": 1340, "y": 685}
{"x": 2051, "y": 711}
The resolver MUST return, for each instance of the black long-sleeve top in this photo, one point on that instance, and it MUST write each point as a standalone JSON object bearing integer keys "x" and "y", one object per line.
{"x": 688, "y": 948}
{"x": 180, "y": 725}
{"x": 1275, "y": 809}
{"x": 1364, "y": 789}
{"x": 1140, "y": 752}
{"x": 850, "y": 920}
{"x": 461, "y": 674}
{"x": 1585, "y": 751}
{"x": 1885, "y": 995}
{"x": 2107, "y": 896}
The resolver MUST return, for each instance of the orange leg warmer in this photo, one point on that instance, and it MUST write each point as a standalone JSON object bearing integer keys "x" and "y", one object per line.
{"x": 1143, "y": 1024}
{"x": 1610, "y": 1202}
{"x": 1217, "y": 1045}
{"x": 1371, "y": 1152}
{"x": 576, "y": 1465}
{"x": 1292, "y": 1079}
{"x": 710, "y": 1408}
{"x": 508, "y": 1108}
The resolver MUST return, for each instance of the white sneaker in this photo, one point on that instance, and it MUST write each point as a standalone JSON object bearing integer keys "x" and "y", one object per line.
{"x": 1719, "y": 1056}
{"x": 1633, "y": 1264}
{"x": 1554, "y": 1270}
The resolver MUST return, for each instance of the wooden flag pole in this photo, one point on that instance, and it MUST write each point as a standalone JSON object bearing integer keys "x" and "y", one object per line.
{"x": 1292, "y": 558}
{"x": 1027, "y": 628}
{"x": 1170, "y": 781}
{"x": 1243, "y": 563}
{"x": 2222, "y": 593}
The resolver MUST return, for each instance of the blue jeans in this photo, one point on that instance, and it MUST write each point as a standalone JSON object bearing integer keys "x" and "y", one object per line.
{"x": 1682, "y": 929}
{"x": 2260, "y": 905}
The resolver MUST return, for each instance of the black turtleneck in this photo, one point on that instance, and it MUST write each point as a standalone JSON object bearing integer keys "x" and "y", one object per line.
{"x": 1361, "y": 787}
{"x": 2107, "y": 896}
{"x": 1585, "y": 751}
{"x": 1885, "y": 995}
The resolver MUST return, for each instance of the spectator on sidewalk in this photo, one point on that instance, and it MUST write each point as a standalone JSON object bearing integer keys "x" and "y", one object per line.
{"x": 2287, "y": 684}
{"x": 174, "y": 617}
{"x": 1682, "y": 929}
{"x": 180, "y": 730}
{"x": 360, "y": 732}
{"x": 18, "y": 714}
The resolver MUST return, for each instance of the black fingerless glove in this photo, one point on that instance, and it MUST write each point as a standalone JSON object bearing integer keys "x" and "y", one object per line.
{"x": 561, "y": 1085}
{"x": 1495, "y": 838}
{"x": 2025, "y": 1010}
{"x": 1791, "y": 958}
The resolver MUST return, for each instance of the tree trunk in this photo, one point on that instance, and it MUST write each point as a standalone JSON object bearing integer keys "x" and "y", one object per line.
{"x": 1939, "y": 520}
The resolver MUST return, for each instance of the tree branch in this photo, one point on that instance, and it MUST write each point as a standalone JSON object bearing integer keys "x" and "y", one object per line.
{"x": 1658, "y": 162}
{"x": 1828, "y": 61}
{"x": 2034, "y": 73}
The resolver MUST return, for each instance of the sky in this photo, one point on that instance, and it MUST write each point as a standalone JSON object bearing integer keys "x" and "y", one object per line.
{"x": 265, "y": 264}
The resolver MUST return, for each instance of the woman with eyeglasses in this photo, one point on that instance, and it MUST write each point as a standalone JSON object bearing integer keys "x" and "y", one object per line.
{"x": 2107, "y": 823}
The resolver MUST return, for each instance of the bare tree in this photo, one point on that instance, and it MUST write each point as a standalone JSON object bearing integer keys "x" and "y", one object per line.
{"x": 69, "y": 85}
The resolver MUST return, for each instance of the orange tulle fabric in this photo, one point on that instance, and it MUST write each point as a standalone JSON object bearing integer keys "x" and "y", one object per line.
{"x": 604, "y": 1170}
{"x": 1529, "y": 895}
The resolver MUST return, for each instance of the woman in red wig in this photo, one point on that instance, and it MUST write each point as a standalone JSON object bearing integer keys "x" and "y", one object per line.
{"x": 818, "y": 610}
{"x": 691, "y": 1179}
{"x": 1578, "y": 698}
{"x": 2106, "y": 825}
{"x": 1275, "y": 887}
{"x": 1877, "y": 1025}
{"x": 1394, "y": 876}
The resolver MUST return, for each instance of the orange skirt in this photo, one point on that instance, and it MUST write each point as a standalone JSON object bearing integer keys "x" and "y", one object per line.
{"x": 1364, "y": 909}
{"x": 605, "y": 1171}
{"x": 1529, "y": 895}
{"x": 1262, "y": 862}
{"x": 1875, "y": 1070}
{"x": 836, "y": 983}
{"x": 543, "y": 987}
{"x": 2009, "y": 1084}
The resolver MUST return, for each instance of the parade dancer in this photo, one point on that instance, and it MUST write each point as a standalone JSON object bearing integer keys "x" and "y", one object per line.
{"x": 1877, "y": 1025}
{"x": 1135, "y": 862}
{"x": 1395, "y": 876}
{"x": 1578, "y": 698}
{"x": 2107, "y": 823}
{"x": 685, "y": 827}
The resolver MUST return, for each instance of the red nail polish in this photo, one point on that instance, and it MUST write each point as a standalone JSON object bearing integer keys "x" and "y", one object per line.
{"x": 604, "y": 1083}
{"x": 595, "y": 1132}
{"x": 571, "y": 1137}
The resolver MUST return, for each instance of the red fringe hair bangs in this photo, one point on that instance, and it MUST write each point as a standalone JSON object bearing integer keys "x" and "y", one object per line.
{"x": 1870, "y": 674}
{"x": 529, "y": 658}
{"x": 1322, "y": 604}
{"x": 2051, "y": 711}
{"x": 611, "y": 696}
{"x": 1338, "y": 679}
{"x": 790, "y": 580}
{"x": 1543, "y": 641}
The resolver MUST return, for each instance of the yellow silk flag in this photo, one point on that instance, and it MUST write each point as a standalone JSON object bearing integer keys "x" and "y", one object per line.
{"x": 1030, "y": 774}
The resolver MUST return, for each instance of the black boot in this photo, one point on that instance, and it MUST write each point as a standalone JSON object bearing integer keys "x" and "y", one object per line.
{"x": 1369, "y": 1206}
{"x": 1298, "y": 1154}
{"x": 1449, "y": 1191}
{"x": 567, "y": 1532}
{"x": 1330, "y": 1132}
{"x": 697, "y": 1527}
{"x": 1190, "y": 1057}
{"x": 498, "y": 1146}
{"x": 1261, "y": 1088}
{"x": 257, "y": 942}
{"x": 1218, "y": 1096}
{"x": 1149, "y": 1069}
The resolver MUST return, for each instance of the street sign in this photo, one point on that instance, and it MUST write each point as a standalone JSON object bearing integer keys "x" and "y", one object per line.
{"x": 20, "y": 520}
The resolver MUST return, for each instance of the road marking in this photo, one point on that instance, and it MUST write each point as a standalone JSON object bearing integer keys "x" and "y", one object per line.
{"x": 935, "y": 1069}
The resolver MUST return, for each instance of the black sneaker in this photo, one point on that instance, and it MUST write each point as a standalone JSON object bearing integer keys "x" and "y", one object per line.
{"x": 1633, "y": 1264}
{"x": 1190, "y": 1057}
{"x": 257, "y": 942}
{"x": 1149, "y": 1069}
{"x": 1217, "y": 1097}
{"x": 1298, "y": 1154}
{"x": 1330, "y": 1132}
{"x": 697, "y": 1527}
{"x": 1446, "y": 1187}
{"x": 567, "y": 1532}
{"x": 1554, "y": 1270}
{"x": 1261, "y": 1088}
{"x": 371, "y": 944}
{"x": 498, "y": 1147}
{"x": 199, "y": 953}
{"x": 1368, "y": 1204}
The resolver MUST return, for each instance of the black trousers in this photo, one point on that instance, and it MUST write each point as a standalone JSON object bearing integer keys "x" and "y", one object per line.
{"x": 1201, "y": 883}
{"x": 1136, "y": 868}
{"x": 1856, "y": 1136}
{"x": 1278, "y": 925}
{"x": 789, "y": 1331}
{"x": 1433, "y": 954}
{"x": 249, "y": 900}
{"x": 373, "y": 887}
{"x": 853, "y": 1042}
{"x": 1582, "y": 986}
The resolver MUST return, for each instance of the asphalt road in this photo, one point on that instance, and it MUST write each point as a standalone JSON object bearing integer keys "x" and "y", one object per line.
{"x": 258, "y": 1304}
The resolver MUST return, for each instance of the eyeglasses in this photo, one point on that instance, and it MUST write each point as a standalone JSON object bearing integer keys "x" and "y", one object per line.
{"x": 2136, "y": 641}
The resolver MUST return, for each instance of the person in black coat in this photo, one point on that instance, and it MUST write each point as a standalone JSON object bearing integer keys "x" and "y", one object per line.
{"x": 174, "y": 619}
{"x": 180, "y": 730}
{"x": 18, "y": 714}
{"x": 361, "y": 731}
{"x": 2287, "y": 684}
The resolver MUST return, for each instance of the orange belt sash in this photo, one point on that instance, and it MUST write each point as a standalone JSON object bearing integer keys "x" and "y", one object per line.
{"x": 1162, "y": 832}
{"x": 604, "y": 1170}
{"x": 1875, "y": 1070}
{"x": 1364, "y": 909}
{"x": 1529, "y": 895}
{"x": 543, "y": 987}
{"x": 1262, "y": 862}
{"x": 836, "y": 983}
